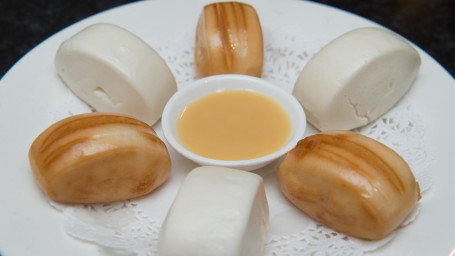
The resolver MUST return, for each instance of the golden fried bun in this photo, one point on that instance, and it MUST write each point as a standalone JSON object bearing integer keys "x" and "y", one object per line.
{"x": 96, "y": 157}
{"x": 228, "y": 40}
{"x": 349, "y": 182}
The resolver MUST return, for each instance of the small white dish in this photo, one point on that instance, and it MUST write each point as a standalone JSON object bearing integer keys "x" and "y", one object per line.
{"x": 195, "y": 90}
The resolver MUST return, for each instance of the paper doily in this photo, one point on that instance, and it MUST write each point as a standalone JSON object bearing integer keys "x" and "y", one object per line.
{"x": 132, "y": 227}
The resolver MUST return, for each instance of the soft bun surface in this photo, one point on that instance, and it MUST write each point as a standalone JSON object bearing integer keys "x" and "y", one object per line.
{"x": 349, "y": 182}
{"x": 98, "y": 157}
{"x": 113, "y": 70}
{"x": 356, "y": 78}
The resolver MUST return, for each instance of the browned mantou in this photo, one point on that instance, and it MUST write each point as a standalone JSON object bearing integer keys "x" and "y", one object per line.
{"x": 229, "y": 40}
{"x": 96, "y": 157}
{"x": 349, "y": 182}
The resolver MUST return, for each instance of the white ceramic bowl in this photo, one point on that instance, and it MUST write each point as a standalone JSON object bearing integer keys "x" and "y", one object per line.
{"x": 193, "y": 91}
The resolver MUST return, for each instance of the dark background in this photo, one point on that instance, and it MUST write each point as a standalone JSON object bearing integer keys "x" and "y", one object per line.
{"x": 430, "y": 24}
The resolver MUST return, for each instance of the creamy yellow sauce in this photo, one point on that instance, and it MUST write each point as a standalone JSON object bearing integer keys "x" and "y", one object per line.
{"x": 234, "y": 125}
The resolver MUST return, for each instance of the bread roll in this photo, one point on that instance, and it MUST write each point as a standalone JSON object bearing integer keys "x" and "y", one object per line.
{"x": 96, "y": 157}
{"x": 356, "y": 78}
{"x": 218, "y": 211}
{"x": 350, "y": 183}
{"x": 113, "y": 70}
{"x": 229, "y": 40}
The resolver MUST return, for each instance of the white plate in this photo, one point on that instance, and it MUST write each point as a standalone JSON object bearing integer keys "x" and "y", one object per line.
{"x": 30, "y": 226}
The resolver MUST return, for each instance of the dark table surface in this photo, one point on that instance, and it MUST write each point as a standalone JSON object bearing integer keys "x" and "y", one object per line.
{"x": 430, "y": 24}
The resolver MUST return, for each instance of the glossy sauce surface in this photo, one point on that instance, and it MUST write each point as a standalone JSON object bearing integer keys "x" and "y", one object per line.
{"x": 234, "y": 125}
